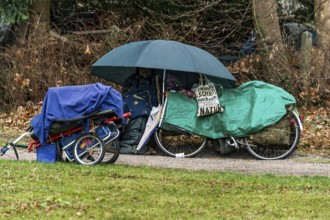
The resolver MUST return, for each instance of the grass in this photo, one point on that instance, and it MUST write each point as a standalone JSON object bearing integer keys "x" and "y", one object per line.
{"x": 32, "y": 190}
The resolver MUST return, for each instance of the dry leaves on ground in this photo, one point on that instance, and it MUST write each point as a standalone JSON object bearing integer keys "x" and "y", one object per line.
{"x": 315, "y": 136}
{"x": 19, "y": 120}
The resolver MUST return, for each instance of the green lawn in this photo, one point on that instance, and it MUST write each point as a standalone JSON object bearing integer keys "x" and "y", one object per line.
{"x": 32, "y": 190}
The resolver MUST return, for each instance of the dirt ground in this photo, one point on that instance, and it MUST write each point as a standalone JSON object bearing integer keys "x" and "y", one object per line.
{"x": 299, "y": 164}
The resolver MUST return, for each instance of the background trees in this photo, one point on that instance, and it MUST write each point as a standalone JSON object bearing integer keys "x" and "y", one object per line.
{"x": 322, "y": 24}
{"x": 271, "y": 43}
{"x": 59, "y": 40}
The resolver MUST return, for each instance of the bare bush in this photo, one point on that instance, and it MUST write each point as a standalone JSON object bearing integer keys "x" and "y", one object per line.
{"x": 28, "y": 69}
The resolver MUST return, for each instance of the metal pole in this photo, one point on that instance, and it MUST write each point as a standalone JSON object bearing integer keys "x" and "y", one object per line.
{"x": 163, "y": 87}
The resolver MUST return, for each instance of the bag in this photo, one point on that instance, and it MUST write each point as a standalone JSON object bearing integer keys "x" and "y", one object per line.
{"x": 278, "y": 134}
{"x": 132, "y": 134}
{"x": 207, "y": 98}
{"x": 47, "y": 153}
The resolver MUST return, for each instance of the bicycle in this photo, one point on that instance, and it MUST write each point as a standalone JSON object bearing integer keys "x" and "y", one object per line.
{"x": 258, "y": 148}
{"x": 176, "y": 141}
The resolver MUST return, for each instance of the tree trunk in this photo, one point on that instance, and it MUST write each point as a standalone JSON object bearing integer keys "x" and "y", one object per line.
{"x": 322, "y": 22}
{"x": 273, "y": 52}
{"x": 305, "y": 63}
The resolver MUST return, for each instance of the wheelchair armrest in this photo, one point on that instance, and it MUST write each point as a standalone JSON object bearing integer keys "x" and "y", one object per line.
{"x": 93, "y": 115}
{"x": 57, "y": 120}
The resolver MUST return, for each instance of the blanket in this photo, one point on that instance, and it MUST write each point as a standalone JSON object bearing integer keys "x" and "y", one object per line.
{"x": 73, "y": 101}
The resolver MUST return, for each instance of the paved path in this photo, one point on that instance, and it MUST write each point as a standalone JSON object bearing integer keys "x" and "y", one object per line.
{"x": 297, "y": 165}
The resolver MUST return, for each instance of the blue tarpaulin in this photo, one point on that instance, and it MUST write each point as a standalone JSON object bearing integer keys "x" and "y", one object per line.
{"x": 73, "y": 101}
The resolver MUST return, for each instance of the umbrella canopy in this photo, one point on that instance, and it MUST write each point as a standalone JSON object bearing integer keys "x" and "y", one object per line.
{"x": 121, "y": 62}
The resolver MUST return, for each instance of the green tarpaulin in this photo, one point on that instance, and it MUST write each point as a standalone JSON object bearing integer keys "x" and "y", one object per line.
{"x": 248, "y": 109}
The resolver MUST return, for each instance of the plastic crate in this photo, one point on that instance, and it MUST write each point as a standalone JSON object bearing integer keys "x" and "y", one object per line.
{"x": 103, "y": 132}
{"x": 106, "y": 132}
{"x": 47, "y": 153}
{"x": 67, "y": 143}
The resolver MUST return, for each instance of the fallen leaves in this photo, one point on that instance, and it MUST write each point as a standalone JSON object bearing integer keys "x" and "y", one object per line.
{"x": 315, "y": 136}
{"x": 87, "y": 51}
{"x": 21, "y": 81}
{"x": 19, "y": 119}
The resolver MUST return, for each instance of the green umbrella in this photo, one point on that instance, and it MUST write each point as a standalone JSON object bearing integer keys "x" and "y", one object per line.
{"x": 164, "y": 55}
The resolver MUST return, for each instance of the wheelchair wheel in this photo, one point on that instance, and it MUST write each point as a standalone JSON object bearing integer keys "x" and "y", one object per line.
{"x": 289, "y": 133}
{"x": 88, "y": 149}
{"x": 179, "y": 145}
{"x": 111, "y": 151}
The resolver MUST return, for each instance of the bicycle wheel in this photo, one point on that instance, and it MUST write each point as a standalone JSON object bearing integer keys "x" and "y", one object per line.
{"x": 88, "y": 149}
{"x": 289, "y": 132}
{"x": 174, "y": 144}
{"x": 111, "y": 151}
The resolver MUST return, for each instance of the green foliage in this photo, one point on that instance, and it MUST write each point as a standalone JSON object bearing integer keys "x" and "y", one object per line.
{"x": 31, "y": 190}
{"x": 14, "y": 11}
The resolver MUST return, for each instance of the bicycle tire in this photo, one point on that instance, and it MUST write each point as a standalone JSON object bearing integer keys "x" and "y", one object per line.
{"x": 179, "y": 145}
{"x": 111, "y": 152}
{"x": 264, "y": 151}
{"x": 88, "y": 149}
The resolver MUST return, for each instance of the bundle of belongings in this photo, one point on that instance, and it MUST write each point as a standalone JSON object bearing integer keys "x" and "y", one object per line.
{"x": 140, "y": 99}
{"x": 139, "y": 96}
{"x": 248, "y": 109}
